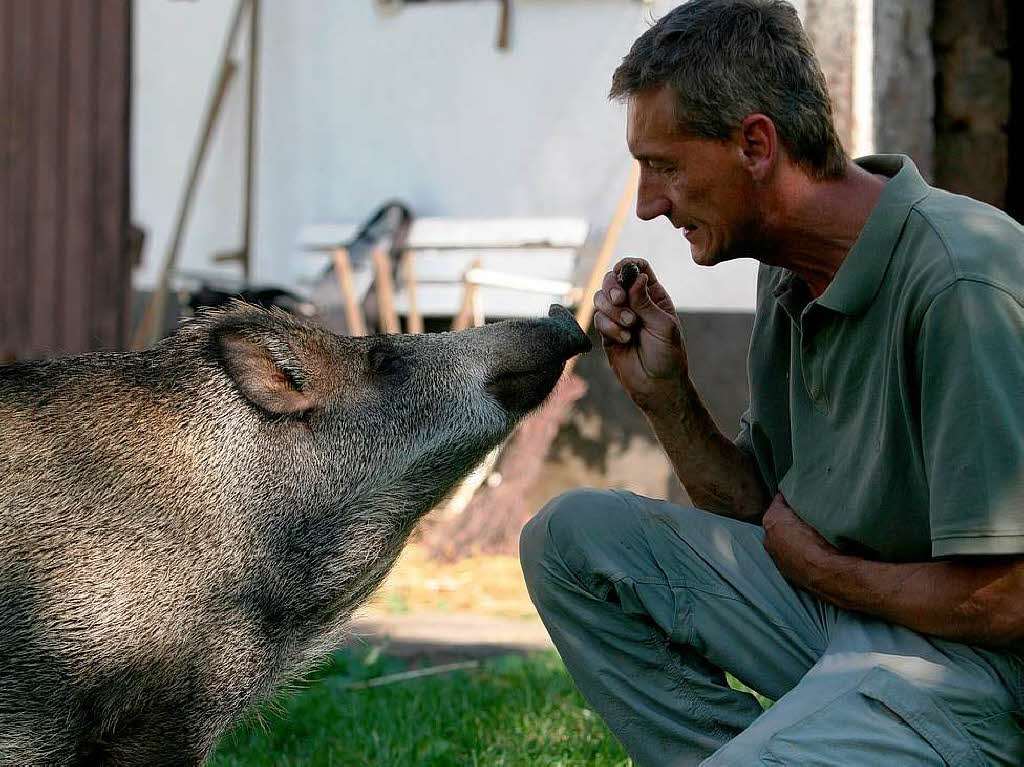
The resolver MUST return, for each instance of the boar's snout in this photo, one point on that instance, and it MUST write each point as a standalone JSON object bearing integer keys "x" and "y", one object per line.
{"x": 572, "y": 334}
{"x": 532, "y": 359}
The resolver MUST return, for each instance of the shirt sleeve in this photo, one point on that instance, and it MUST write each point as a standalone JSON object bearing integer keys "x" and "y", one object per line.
{"x": 971, "y": 367}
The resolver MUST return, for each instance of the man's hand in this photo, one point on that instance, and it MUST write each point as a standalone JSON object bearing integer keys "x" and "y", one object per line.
{"x": 641, "y": 335}
{"x": 644, "y": 344}
{"x": 800, "y": 553}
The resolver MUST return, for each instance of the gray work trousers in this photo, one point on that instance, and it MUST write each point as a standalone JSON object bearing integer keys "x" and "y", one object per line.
{"x": 650, "y": 603}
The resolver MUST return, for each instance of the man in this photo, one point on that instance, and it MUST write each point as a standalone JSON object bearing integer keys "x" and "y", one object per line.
{"x": 857, "y": 553}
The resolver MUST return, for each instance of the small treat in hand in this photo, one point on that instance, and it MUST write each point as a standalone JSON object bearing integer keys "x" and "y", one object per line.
{"x": 628, "y": 274}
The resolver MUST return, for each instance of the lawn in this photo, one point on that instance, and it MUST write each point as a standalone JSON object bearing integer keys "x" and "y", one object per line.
{"x": 509, "y": 711}
{"x": 513, "y": 710}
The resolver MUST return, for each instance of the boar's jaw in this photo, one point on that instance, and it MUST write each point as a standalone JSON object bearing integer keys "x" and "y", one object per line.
{"x": 519, "y": 392}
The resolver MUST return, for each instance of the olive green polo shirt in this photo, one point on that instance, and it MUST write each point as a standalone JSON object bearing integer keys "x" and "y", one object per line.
{"x": 889, "y": 411}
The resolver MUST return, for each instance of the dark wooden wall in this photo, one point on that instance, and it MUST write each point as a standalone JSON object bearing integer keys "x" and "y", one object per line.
{"x": 64, "y": 153}
{"x": 973, "y": 91}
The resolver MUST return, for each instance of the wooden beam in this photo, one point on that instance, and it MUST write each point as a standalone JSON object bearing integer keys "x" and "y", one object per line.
{"x": 585, "y": 312}
{"x": 462, "y": 320}
{"x": 522, "y": 282}
{"x": 385, "y": 291}
{"x": 354, "y": 320}
{"x": 414, "y": 320}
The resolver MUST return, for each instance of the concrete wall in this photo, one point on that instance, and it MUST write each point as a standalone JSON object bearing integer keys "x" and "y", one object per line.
{"x": 358, "y": 105}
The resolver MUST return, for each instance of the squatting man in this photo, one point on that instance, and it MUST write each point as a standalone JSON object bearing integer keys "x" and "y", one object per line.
{"x": 857, "y": 552}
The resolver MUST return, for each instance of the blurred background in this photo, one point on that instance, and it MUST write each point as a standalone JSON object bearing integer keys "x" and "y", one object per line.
{"x": 413, "y": 165}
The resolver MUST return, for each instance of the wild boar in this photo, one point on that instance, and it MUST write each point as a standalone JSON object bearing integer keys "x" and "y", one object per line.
{"x": 185, "y": 528}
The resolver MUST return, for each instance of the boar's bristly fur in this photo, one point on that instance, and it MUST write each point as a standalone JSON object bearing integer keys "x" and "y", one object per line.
{"x": 186, "y": 528}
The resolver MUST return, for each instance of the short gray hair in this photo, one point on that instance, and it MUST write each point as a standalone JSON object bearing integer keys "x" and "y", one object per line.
{"x": 728, "y": 59}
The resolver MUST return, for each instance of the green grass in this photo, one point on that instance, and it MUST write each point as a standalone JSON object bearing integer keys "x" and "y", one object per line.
{"x": 510, "y": 711}
{"x": 736, "y": 684}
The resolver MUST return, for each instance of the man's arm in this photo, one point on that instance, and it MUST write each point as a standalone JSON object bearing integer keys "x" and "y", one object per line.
{"x": 643, "y": 341}
{"x": 977, "y": 601}
{"x": 717, "y": 474}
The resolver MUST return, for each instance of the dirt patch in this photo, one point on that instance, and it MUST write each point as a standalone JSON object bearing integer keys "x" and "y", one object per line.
{"x": 430, "y": 612}
{"x": 483, "y": 585}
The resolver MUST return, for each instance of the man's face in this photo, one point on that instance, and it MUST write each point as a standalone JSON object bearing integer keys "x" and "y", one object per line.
{"x": 698, "y": 184}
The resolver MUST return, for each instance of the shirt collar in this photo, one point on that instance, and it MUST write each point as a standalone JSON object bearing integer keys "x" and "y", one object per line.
{"x": 859, "y": 277}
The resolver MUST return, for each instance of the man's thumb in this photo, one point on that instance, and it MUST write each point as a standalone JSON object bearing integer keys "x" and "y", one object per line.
{"x": 653, "y": 316}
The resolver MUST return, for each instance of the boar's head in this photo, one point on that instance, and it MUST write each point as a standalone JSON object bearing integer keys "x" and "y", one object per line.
{"x": 357, "y": 437}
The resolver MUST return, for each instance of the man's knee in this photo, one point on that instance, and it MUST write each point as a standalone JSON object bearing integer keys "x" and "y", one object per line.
{"x": 565, "y": 527}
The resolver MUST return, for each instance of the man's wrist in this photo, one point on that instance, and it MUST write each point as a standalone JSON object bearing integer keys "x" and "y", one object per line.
{"x": 672, "y": 404}
{"x": 833, "y": 577}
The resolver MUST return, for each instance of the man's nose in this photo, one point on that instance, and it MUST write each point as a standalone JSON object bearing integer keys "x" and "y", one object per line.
{"x": 650, "y": 203}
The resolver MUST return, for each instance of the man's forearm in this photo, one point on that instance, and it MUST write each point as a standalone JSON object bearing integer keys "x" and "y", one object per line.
{"x": 975, "y": 603}
{"x": 717, "y": 475}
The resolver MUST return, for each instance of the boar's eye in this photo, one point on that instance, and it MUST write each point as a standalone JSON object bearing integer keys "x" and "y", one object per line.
{"x": 390, "y": 364}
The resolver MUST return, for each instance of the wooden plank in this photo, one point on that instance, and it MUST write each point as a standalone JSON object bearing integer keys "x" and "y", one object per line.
{"x": 464, "y": 233}
{"x": 450, "y": 265}
{"x": 497, "y": 232}
{"x": 464, "y": 316}
{"x": 7, "y": 351}
{"x": 18, "y": 274}
{"x": 110, "y": 175}
{"x": 446, "y": 300}
{"x": 47, "y": 280}
{"x": 79, "y": 147}
{"x": 512, "y": 281}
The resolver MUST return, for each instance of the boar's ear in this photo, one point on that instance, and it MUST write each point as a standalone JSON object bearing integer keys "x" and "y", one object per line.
{"x": 265, "y": 372}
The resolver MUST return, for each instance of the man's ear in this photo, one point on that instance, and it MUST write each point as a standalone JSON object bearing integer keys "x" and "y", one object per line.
{"x": 266, "y": 371}
{"x": 759, "y": 142}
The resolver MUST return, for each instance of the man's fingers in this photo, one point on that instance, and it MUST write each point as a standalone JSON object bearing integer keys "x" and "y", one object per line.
{"x": 611, "y": 286}
{"x": 655, "y": 289}
{"x": 610, "y": 331}
{"x": 620, "y": 314}
{"x": 612, "y": 289}
{"x": 653, "y": 316}
{"x": 657, "y": 292}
